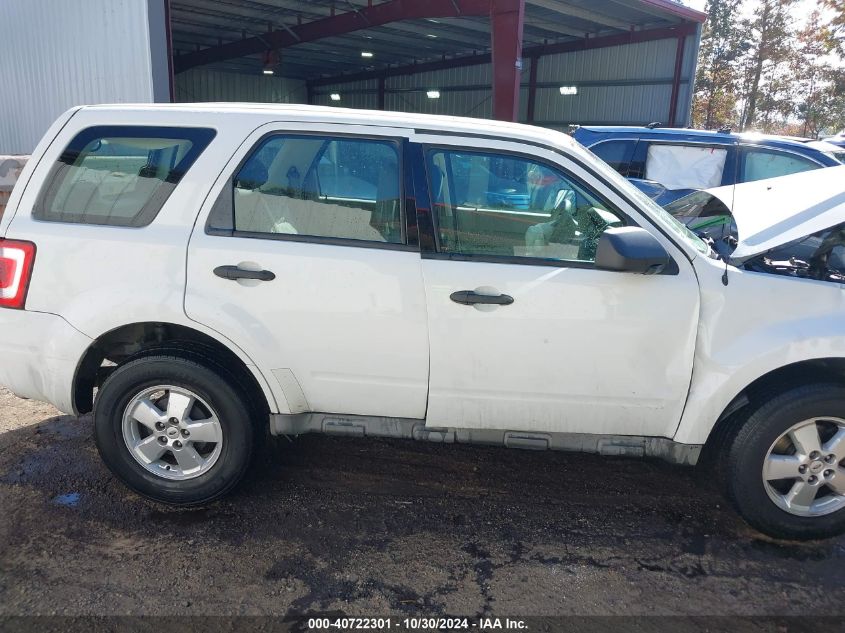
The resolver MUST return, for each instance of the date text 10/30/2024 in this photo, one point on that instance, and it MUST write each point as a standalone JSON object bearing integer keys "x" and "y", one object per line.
{"x": 416, "y": 624}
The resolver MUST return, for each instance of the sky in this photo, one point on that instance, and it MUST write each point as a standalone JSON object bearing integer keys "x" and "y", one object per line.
{"x": 801, "y": 10}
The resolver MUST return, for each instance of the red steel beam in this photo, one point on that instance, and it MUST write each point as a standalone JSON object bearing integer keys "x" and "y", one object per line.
{"x": 339, "y": 24}
{"x": 532, "y": 89}
{"x": 171, "y": 80}
{"x": 676, "y": 80}
{"x": 506, "y": 21}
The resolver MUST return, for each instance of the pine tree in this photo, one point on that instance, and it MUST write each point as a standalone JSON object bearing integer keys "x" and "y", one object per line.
{"x": 811, "y": 72}
{"x": 771, "y": 34}
{"x": 714, "y": 102}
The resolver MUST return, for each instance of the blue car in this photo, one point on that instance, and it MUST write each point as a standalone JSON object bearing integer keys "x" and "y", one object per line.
{"x": 669, "y": 163}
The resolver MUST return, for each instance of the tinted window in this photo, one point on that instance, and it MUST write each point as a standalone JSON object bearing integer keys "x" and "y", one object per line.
{"x": 119, "y": 176}
{"x": 502, "y": 205}
{"x": 759, "y": 164}
{"x": 637, "y": 167}
{"x": 322, "y": 187}
{"x": 617, "y": 154}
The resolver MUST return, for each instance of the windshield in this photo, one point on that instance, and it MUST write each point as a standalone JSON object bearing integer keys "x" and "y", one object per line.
{"x": 698, "y": 210}
{"x": 657, "y": 213}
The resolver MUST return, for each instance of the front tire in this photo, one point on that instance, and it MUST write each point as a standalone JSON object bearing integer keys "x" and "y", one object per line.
{"x": 173, "y": 430}
{"x": 785, "y": 465}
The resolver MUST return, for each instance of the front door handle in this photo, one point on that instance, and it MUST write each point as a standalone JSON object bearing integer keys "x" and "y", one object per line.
{"x": 470, "y": 298}
{"x": 234, "y": 272}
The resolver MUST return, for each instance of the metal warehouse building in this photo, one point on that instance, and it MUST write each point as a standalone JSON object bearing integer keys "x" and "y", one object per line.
{"x": 548, "y": 62}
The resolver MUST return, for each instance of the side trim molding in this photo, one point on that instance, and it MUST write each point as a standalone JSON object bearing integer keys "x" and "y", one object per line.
{"x": 411, "y": 429}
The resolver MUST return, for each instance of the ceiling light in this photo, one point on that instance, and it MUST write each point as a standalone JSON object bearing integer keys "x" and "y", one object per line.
{"x": 433, "y": 94}
{"x": 334, "y": 96}
{"x": 366, "y": 54}
{"x": 269, "y": 61}
{"x": 569, "y": 90}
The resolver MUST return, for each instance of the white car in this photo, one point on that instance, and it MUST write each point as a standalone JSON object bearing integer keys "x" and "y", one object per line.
{"x": 196, "y": 273}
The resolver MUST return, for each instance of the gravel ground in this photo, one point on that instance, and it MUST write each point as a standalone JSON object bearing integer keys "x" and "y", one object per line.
{"x": 377, "y": 527}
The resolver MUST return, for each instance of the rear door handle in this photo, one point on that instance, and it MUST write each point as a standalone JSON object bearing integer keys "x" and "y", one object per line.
{"x": 470, "y": 298}
{"x": 234, "y": 272}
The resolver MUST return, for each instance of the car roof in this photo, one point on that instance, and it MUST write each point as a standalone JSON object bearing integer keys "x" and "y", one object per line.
{"x": 270, "y": 112}
{"x": 710, "y": 135}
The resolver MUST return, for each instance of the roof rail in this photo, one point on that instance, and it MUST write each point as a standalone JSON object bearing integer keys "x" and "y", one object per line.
{"x": 654, "y": 124}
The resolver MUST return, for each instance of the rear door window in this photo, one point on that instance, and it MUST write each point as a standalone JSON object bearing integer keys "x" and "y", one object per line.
{"x": 296, "y": 187}
{"x": 685, "y": 166}
{"x": 119, "y": 175}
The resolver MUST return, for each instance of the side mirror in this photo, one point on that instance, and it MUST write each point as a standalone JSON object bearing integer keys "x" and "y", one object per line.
{"x": 631, "y": 249}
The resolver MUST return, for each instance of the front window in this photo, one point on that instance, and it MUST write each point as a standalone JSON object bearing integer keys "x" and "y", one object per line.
{"x": 760, "y": 164}
{"x": 509, "y": 206}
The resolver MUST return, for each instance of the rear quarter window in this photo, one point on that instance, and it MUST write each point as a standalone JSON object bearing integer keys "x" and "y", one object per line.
{"x": 119, "y": 175}
{"x": 617, "y": 154}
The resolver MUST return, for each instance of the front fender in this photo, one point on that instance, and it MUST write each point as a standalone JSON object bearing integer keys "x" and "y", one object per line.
{"x": 758, "y": 323}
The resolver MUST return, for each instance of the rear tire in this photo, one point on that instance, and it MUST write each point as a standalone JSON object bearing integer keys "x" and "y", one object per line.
{"x": 173, "y": 429}
{"x": 785, "y": 465}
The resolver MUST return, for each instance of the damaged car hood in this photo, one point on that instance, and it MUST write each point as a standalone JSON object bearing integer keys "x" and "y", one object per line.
{"x": 771, "y": 213}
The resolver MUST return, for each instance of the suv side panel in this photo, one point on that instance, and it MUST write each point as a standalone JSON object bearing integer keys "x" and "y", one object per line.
{"x": 341, "y": 328}
{"x": 99, "y": 278}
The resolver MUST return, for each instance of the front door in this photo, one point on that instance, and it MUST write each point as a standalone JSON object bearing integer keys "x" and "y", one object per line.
{"x": 526, "y": 334}
{"x": 305, "y": 263}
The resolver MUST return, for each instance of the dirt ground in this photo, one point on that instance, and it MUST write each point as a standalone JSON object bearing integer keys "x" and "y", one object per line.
{"x": 376, "y": 527}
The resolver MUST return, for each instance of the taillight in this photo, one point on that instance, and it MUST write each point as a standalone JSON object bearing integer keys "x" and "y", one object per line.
{"x": 15, "y": 270}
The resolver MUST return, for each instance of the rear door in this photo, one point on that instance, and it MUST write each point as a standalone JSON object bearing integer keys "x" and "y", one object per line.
{"x": 526, "y": 334}
{"x": 303, "y": 257}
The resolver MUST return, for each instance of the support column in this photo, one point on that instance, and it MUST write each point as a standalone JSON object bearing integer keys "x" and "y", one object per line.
{"x": 506, "y": 19}
{"x": 532, "y": 89}
{"x": 381, "y": 91}
{"x": 676, "y": 81}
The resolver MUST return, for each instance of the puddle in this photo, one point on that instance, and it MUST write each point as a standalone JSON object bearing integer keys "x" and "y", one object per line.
{"x": 71, "y": 499}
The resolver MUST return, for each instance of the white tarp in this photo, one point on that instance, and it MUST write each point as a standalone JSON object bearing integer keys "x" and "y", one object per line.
{"x": 685, "y": 166}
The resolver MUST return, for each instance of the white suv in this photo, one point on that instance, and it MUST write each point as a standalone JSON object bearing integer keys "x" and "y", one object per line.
{"x": 193, "y": 273}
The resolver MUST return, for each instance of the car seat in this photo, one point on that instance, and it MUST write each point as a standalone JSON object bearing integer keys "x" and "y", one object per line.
{"x": 560, "y": 228}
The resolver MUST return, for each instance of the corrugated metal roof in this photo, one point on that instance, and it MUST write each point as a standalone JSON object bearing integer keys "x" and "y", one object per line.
{"x": 200, "y": 24}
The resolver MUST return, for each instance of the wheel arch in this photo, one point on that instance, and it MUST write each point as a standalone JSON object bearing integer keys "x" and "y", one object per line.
{"x": 116, "y": 346}
{"x": 799, "y": 373}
